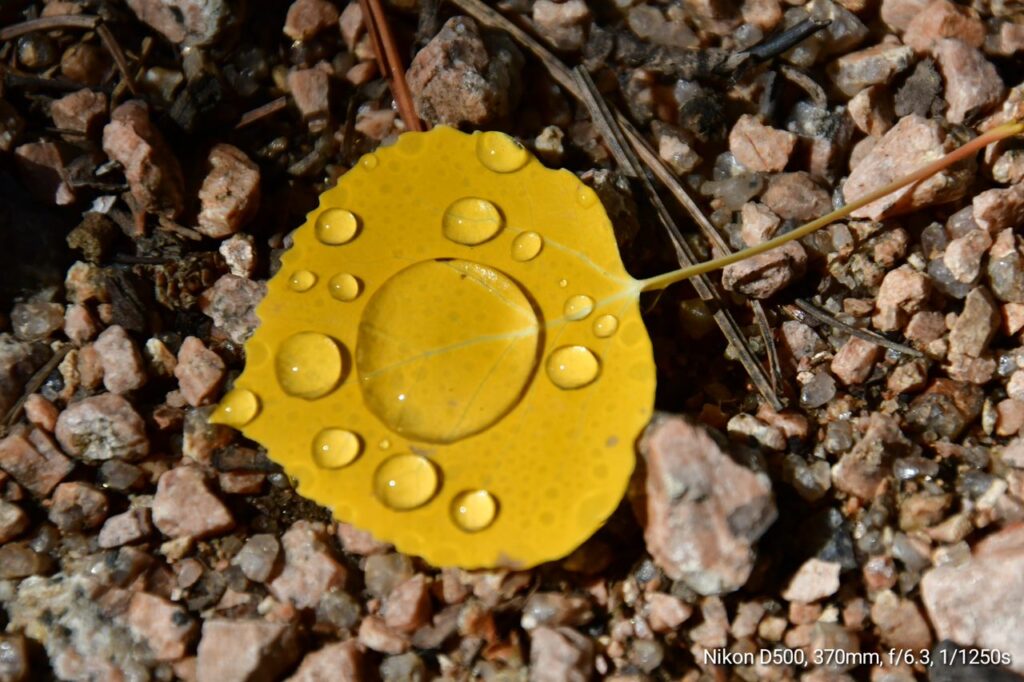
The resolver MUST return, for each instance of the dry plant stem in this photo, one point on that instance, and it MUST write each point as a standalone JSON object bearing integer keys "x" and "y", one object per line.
{"x": 80, "y": 21}
{"x": 817, "y": 313}
{"x": 37, "y": 380}
{"x": 261, "y": 112}
{"x": 390, "y": 62}
{"x": 972, "y": 147}
{"x": 114, "y": 48}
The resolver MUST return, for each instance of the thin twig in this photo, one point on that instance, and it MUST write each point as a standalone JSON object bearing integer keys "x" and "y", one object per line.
{"x": 85, "y": 22}
{"x": 114, "y": 48}
{"x": 865, "y": 334}
{"x": 37, "y": 380}
{"x": 390, "y": 61}
{"x": 261, "y": 112}
{"x": 774, "y": 368}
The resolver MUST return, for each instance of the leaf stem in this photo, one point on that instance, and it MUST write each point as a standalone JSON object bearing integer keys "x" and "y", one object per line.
{"x": 996, "y": 134}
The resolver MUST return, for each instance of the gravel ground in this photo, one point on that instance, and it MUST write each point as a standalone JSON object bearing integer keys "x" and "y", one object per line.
{"x": 859, "y": 514}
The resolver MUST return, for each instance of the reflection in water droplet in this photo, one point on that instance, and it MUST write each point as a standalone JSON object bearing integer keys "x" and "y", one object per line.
{"x": 586, "y": 196}
{"x": 501, "y": 153}
{"x": 526, "y": 246}
{"x": 237, "y": 408}
{"x": 344, "y": 287}
{"x": 474, "y": 510}
{"x": 572, "y": 367}
{"x": 336, "y": 448}
{"x": 471, "y": 221}
{"x": 336, "y": 226}
{"x": 405, "y": 481}
{"x": 578, "y": 307}
{"x": 302, "y": 280}
{"x": 563, "y": 283}
{"x": 369, "y": 161}
{"x": 605, "y": 326}
{"x": 308, "y": 365}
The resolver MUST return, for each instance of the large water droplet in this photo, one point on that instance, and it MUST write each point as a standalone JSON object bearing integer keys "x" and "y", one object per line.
{"x": 237, "y": 408}
{"x": 572, "y": 367}
{"x": 308, "y": 365}
{"x": 474, "y": 510}
{"x": 445, "y": 349}
{"x": 578, "y": 307}
{"x": 605, "y": 326}
{"x": 302, "y": 280}
{"x": 501, "y": 153}
{"x": 471, "y": 221}
{"x": 336, "y": 448}
{"x": 405, "y": 481}
{"x": 369, "y": 161}
{"x": 344, "y": 287}
{"x": 336, "y": 226}
{"x": 526, "y": 246}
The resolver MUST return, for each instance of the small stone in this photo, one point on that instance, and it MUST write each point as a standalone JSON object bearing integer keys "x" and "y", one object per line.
{"x": 78, "y": 506}
{"x": 943, "y": 19}
{"x": 239, "y": 251}
{"x": 946, "y": 408}
{"x": 38, "y": 469}
{"x": 408, "y": 606}
{"x": 973, "y": 85}
{"x": 748, "y": 427}
{"x": 897, "y": 14}
{"x": 352, "y": 26}
{"x": 85, "y": 63}
{"x": 818, "y": 391}
{"x": 41, "y": 412}
{"x": 766, "y": 274}
{"x": 815, "y": 580}
{"x": 41, "y": 166}
{"x": 909, "y": 145}
{"x": 337, "y": 661}
{"x": 764, "y": 14}
{"x": 853, "y": 362}
{"x": 701, "y": 537}
{"x": 1006, "y": 267}
{"x": 863, "y": 469}
{"x": 384, "y": 572}
{"x": 18, "y": 560}
{"x": 80, "y": 112}
{"x": 306, "y": 18}
{"x": 258, "y": 558}
{"x": 665, "y": 613}
{"x": 796, "y": 196}
{"x": 36, "y": 320}
{"x": 376, "y": 124}
{"x": 150, "y": 167}
{"x": 461, "y": 77}
{"x": 310, "y": 88}
{"x": 359, "y": 542}
{"x": 1009, "y": 417}
{"x": 164, "y": 626}
{"x": 13, "y": 521}
{"x": 188, "y": 22}
{"x": 759, "y": 224}
{"x": 184, "y": 505}
{"x": 246, "y": 650}
{"x": 15, "y": 663}
{"x": 200, "y": 372}
{"x": 310, "y": 570}
{"x": 998, "y": 209}
{"x": 563, "y": 24}
{"x": 375, "y": 635}
{"x": 900, "y": 623}
{"x": 907, "y": 378}
{"x": 560, "y": 655}
{"x": 876, "y": 65}
{"x": 362, "y": 73}
{"x": 902, "y": 293}
{"x": 648, "y": 23}
{"x": 11, "y": 126}
{"x": 230, "y": 195}
{"x": 554, "y": 608}
{"x": 872, "y": 111}
{"x": 102, "y": 427}
{"x": 760, "y": 147}
{"x": 963, "y": 255}
{"x": 976, "y": 326}
{"x": 231, "y": 304}
{"x": 925, "y": 327}
{"x": 126, "y": 528}
{"x": 123, "y": 369}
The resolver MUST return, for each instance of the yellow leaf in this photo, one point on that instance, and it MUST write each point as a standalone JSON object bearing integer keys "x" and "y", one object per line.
{"x": 452, "y": 355}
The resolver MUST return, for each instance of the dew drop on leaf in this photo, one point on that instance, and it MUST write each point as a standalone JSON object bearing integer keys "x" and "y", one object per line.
{"x": 369, "y": 161}
{"x": 527, "y": 246}
{"x": 578, "y": 307}
{"x": 336, "y": 448}
{"x": 302, "y": 280}
{"x": 501, "y": 153}
{"x": 471, "y": 221}
{"x": 474, "y": 510}
{"x": 605, "y": 326}
{"x": 344, "y": 287}
{"x": 405, "y": 481}
{"x": 336, "y": 226}
{"x": 239, "y": 407}
{"x": 572, "y": 367}
{"x": 308, "y": 365}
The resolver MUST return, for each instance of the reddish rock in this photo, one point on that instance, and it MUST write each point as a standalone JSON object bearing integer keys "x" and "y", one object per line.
{"x": 375, "y": 635}
{"x": 310, "y": 570}
{"x": 310, "y": 88}
{"x": 1009, "y": 417}
{"x": 560, "y": 655}
{"x": 760, "y": 147}
{"x": 695, "y": 529}
{"x": 976, "y": 326}
{"x": 85, "y": 63}
{"x": 925, "y": 326}
{"x": 963, "y": 255}
{"x": 872, "y": 112}
{"x": 79, "y": 324}
{"x": 900, "y": 623}
{"x": 973, "y": 85}
{"x": 796, "y": 196}
{"x": 231, "y": 303}
{"x": 37, "y": 470}
{"x": 759, "y": 224}
{"x": 230, "y": 195}
{"x": 766, "y": 274}
{"x": 126, "y": 528}
{"x": 408, "y": 606}
{"x": 352, "y": 26}
{"x": 102, "y": 427}
{"x": 80, "y": 112}
{"x": 78, "y": 506}
{"x": 13, "y": 521}
{"x": 165, "y": 627}
{"x": 898, "y": 14}
{"x": 359, "y": 542}
{"x": 876, "y": 65}
{"x": 15, "y": 660}
{"x": 376, "y": 124}
{"x": 944, "y": 19}
{"x": 189, "y": 22}
{"x": 200, "y": 372}
{"x": 912, "y": 143}
{"x": 123, "y": 369}
{"x": 306, "y": 18}
{"x": 337, "y": 662}
{"x": 998, "y": 209}
{"x": 861, "y": 470}
{"x": 41, "y": 166}
{"x": 185, "y": 506}
{"x": 239, "y": 252}
{"x": 853, "y": 362}
{"x": 563, "y": 24}
{"x": 245, "y": 650}
{"x": 903, "y": 292}
{"x": 41, "y": 412}
{"x": 150, "y": 167}
{"x": 665, "y": 613}
{"x": 815, "y": 579}
{"x": 977, "y": 603}
{"x": 258, "y": 558}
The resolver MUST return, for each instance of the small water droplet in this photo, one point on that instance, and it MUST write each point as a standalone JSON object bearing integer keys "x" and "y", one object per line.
{"x": 501, "y": 153}
{"x": 526, "y": 246}
{"x": 369, "y": 161}
{"x": 586, "y": 196}
{"x": 605, "y": 326}
{"x": 344, "y": 287}
{"x": 474, "y": 510}
{"x": 384, "y": 444}
{"x": 237, "y": 408}
{"x": 471, "y": 221}
{"x": 302, "y": 280}
{"x": 336, "y": 226}
{"x": 578, "y": 307}
{"x": 308, "y": 365}
{"x": 572, "y": 367}
{"x": 563, "y": 283}
{"x": 405, "y": 481}
{"x": 336, "y": 448}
